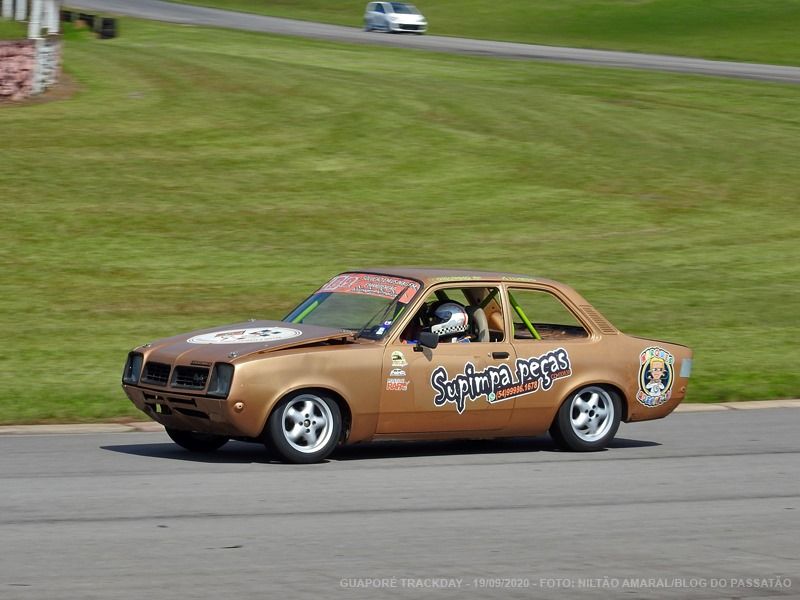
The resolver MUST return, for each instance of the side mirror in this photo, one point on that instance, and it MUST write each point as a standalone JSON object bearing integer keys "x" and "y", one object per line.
{"x": 426, "y": 339}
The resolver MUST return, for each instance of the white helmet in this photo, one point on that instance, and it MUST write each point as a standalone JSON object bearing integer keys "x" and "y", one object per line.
{"x": 449, "y": 318}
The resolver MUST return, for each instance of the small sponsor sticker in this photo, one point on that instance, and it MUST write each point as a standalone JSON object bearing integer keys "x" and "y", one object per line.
{"x": 398, "y": 359}
{"x": 246, "y": 336}
{"x": 397, "y": 373}
{"x": 397, "y": 385}
{"x": 656, "y": 373}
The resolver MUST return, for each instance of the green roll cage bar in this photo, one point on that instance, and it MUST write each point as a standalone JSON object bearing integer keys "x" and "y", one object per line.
{"x": 306, "y": 311}
{"x": 515, "y": 305}
{"x": 523, "y": 316}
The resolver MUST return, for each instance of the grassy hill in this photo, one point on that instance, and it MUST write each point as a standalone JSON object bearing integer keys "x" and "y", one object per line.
{"x": 12, "y": 30}
{"x": 200, "y": 177}
{"x": 746, "y": 30}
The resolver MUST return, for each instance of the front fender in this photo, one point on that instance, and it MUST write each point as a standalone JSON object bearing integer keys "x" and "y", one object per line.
{"x": 350, "y": 372}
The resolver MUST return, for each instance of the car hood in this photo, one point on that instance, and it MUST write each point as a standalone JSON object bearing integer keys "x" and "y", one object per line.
{"x": 409, "y": 19}
{"x": 228, "y": 342}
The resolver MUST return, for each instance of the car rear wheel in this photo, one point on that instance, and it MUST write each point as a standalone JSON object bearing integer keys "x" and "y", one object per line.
{"x": 588, "y": 420}
{"x": 195, "y": 441}
{"x": 305, "y": 427}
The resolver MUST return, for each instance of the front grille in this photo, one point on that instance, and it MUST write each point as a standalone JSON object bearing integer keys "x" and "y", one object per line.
{"x": 411, "y": 27}
{"x": 156, "y": 373}
{"x": 193, "y": 378}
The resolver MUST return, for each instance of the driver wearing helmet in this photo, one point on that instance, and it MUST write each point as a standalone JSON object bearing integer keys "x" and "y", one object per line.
{"x": 450, "y": 321}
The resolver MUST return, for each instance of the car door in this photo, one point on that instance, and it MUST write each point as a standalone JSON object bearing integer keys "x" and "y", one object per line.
{"x": 374, "y": 17}
{"x": 551, "y": 343}
{"x": 379, "y": 18}
{"x": 367, "y": 12}
{"x": 455, "y": 387}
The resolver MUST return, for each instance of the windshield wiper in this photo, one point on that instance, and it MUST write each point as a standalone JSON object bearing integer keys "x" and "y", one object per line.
{"x": 382, "y": 314}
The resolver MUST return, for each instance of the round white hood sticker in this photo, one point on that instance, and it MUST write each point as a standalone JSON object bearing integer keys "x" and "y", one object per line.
{"x": 246, "y": 336}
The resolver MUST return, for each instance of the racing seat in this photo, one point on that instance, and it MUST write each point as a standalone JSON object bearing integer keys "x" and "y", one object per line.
{"x": 478, "y": 323}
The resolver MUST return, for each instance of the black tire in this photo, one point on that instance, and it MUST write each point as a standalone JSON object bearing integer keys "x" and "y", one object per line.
{"x": 588, "y": 420}
{"x": 304, "y": 427}
{"x": 195, "y": 441}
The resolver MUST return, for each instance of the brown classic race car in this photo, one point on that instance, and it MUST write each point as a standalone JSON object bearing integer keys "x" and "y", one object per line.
{"x": 409, "y": 354}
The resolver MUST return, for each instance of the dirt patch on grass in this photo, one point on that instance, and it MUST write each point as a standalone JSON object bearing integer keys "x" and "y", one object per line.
{"x": 63, "y": 90}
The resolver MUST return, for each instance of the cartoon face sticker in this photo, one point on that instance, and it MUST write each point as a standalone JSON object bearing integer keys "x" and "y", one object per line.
{"x": 655, "y": 376}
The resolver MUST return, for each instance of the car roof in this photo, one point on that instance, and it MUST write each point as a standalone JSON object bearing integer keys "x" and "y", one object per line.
{"x": 430, "y": 275}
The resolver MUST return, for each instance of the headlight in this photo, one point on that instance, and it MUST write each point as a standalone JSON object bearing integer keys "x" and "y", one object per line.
{"x": 393, "y": 17}
{"x": 221, "y": 378}
{"x": 133, "y": 368}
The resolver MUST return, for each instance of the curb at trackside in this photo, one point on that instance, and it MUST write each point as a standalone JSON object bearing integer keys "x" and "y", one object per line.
{"x": 152, "y": 426}
{"x": 63, "y": 428}
{"x": 742, "y": 405}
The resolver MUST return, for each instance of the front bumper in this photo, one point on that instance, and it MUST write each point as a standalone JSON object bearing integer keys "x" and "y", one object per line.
{"x": 408, "y": 27}
{"x": 182, "y": 411}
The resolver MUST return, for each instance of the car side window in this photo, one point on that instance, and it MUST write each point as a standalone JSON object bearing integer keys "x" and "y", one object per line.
{"x": 540, "y": 315}
{"x": 459, "y": 315}
{"x": 379, "y": 8}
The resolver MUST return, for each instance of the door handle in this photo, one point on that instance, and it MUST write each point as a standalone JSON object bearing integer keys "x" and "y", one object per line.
{"x": 499, "y": 354}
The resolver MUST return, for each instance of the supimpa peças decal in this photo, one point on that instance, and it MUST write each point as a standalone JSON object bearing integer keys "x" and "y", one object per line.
{"x": 500, "y": 382}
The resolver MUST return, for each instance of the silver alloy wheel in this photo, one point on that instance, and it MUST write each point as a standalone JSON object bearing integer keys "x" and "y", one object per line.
{"x": 591, "y": 413}
{"x": 307, "y": 423}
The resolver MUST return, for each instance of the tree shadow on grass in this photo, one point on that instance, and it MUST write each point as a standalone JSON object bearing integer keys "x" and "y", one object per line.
{"x": 245, "y": 453}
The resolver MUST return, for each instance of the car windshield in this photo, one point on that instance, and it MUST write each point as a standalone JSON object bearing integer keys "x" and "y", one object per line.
{"x": 404, "y": 9}
{"x": 365, "y": 303}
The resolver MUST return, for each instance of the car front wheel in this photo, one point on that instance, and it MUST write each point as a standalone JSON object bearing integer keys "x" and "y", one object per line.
{"x": 588, "y": 420}
{"x": 195, "y": 441}
{"x": 305, "y": 427}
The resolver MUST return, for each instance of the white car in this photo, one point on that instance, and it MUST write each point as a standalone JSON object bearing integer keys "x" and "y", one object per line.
{"x": 394, "y": 17}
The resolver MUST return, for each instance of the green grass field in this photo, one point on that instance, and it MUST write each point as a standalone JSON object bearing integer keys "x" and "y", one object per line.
{"x": 12, "y": 30}
{"x": 747, "y": 30}
{"x": 201, "y": 177}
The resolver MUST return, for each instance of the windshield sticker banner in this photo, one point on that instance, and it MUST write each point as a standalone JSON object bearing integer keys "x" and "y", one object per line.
{"x": 655, "y": 376}
{"x": 380, "y": 286}
{"x": 500, "y": 382}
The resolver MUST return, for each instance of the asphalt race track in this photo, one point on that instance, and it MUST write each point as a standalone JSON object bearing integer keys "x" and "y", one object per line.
{"x": 676, "y": 507}
{"x": 195, "y": 15}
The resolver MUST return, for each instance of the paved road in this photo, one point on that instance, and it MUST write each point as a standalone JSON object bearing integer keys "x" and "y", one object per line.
{"x": 690, "y": 499}
{"x": 180, "y": 13}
